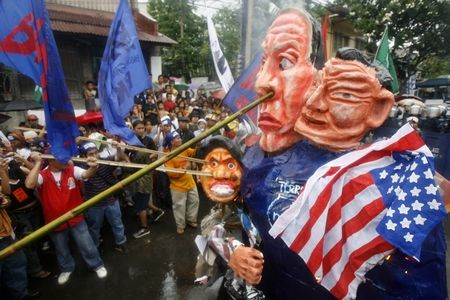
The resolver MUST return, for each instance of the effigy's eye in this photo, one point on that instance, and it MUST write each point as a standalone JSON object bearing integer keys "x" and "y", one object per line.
{"x": 285, "y": 64}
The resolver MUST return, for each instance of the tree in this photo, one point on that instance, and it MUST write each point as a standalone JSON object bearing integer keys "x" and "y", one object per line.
{"x": 227, "y": 23}
{"x": 420, "y": 29}
{"x": 177, "y": 20}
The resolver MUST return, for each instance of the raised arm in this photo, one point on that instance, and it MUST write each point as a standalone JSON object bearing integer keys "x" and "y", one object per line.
{"x": 32, "y": 178}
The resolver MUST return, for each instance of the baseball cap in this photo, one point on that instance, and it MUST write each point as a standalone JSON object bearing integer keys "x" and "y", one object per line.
{"x": 86, "y": 147}
{"x": 32, "y": 117}
{"x": 166, "y": 120}
{"x": 169, "y": 138}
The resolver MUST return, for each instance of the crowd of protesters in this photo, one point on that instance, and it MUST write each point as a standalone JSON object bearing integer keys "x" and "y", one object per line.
{"x": 35, "y": 191}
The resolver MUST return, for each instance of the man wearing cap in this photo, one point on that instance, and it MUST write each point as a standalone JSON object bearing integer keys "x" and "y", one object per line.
{"x": 33, "y": 122}
{"x": 185, "y": 200}
{"x": 109, "y": 208}
{"x": 59, "y": 189}
{"x": 201, "y": 124}
{"x": 184, "y": 131}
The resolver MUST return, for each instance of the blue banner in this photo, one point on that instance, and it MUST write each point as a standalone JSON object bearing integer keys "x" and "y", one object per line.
{"x": 243, "y": 90}
{"x": 123, "y": 74}
{"x": 28, "y": 46}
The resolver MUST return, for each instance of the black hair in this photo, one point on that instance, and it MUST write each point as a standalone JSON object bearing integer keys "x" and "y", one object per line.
{"x": 383, "y": 76}
{"x": 219, "y": 141}
{"x": 137, "y": 122}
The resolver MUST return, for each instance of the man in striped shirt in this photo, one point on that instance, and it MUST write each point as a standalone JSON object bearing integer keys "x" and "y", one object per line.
{"x": 108, "y": 208}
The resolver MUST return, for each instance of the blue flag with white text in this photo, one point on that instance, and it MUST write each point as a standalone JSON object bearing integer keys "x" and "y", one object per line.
{"x": 123, "y": 74}
{"x": 28, "y": 46}
{"x": 243, "y": 91}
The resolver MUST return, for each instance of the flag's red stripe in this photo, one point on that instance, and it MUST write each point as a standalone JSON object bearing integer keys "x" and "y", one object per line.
{"x": 411, "y": 141}
{"x": 352, "y": 188}
{"x": 351, "y": 227}
{"x": 322, "y": 201}
{"x": 357, "y": 259}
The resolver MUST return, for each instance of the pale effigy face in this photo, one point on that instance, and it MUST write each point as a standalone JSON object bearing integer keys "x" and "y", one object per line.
{"x": 287, "y": 71}
{"x": 347, "y": 103}
{"x": 224, "y": 185}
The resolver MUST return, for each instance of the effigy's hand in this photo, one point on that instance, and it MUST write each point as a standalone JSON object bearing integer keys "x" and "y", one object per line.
{"x": 247, "y": 263}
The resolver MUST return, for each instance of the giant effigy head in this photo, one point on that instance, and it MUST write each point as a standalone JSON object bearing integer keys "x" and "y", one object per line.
{"x": 350, "y": 98}
{"x": 287, "y": 69}
{"x": 223, "y": 159}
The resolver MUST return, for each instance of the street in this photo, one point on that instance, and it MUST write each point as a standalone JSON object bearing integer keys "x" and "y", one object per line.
{"x": 158, "y": 266}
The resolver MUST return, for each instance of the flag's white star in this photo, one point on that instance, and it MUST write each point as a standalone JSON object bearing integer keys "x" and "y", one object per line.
{"x": 390, "y": 212}
{"x": 402, "y": 178}
{"x": 405, "y": 223}
{"x": 424, "y": 160}
{"x": 431, "y": 189}
{"x": 399, "y": 167}
{"x": 402, "y": 195}
{"x": 398, "y": 190}
{"x": 403, "y": 210}
{"x": 434, "y": 204}
{"x": 383, "y": 174}
{"x": 390, "y": 190}
{"x": 413, "y": 166}
{"x": 415, "y": 191}
{"x": 391, "y": 225}
{"x": 395, "y": 178}
{"x": 408, "y": 237}
{"x": 413, "y": 177}
{"x": 428, "y": 174}
{"x": 419, "y": 220}
{"x": 407, "y": 157}
{"x": 416, "y": 205}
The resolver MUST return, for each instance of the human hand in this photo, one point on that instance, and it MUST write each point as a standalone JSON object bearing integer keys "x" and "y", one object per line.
{"x": 4, "y": 166}
{"x": 36, "y": 157}
{"x": 247, "y": 263}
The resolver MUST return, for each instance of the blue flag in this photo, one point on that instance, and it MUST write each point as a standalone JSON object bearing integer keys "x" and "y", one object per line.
{"x": 243, "y": 91}
{"x": 123, "y": 74}
{"x": 28, "y": 46}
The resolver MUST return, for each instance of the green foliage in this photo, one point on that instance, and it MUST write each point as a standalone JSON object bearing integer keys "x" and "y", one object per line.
{"x": 177, "y": 20}
{"x": 227, "y": 23}
{"x": 420, "y": 28}
{"x": 435, "y": 66}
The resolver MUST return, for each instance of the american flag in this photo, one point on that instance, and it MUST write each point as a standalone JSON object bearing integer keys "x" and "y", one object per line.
{"x": 357, "y": 209}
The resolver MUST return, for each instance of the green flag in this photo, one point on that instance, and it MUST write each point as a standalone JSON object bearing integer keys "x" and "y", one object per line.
{"x": 384, "y": 57}
{"x": 38, "y": 94}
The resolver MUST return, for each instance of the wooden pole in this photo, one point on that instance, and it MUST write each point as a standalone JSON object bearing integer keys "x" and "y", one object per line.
{"x": 121, "y": 184}
{"x": 129, "y": 147}
{"x": 134, "y": 165}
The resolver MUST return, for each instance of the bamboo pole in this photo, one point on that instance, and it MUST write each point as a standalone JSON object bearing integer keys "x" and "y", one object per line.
{"x": 129, "y": 147}
{"x": 134, "y": 165}
{"x": 133, "y": 177}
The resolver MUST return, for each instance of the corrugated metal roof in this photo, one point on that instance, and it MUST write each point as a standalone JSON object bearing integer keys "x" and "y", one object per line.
{"x": 70, "y": 19}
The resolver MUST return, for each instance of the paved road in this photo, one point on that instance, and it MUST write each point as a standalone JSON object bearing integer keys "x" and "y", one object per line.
{"x": 159, "y": 266}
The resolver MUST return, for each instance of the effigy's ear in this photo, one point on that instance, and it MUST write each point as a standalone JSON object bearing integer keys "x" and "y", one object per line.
{"x": 381, "y": 108}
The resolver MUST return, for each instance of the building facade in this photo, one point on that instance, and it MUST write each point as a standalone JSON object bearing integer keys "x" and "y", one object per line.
{"x": 81, "y": 29}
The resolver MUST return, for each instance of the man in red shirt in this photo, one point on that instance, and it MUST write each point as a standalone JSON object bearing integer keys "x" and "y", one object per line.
{"x": 59, "y": 189}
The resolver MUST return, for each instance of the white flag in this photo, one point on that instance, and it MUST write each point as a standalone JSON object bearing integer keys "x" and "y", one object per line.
{"x": 220, "y": 62}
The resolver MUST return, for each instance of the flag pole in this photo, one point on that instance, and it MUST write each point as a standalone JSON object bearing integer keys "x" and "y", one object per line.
{"x": 121, "y": 184}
